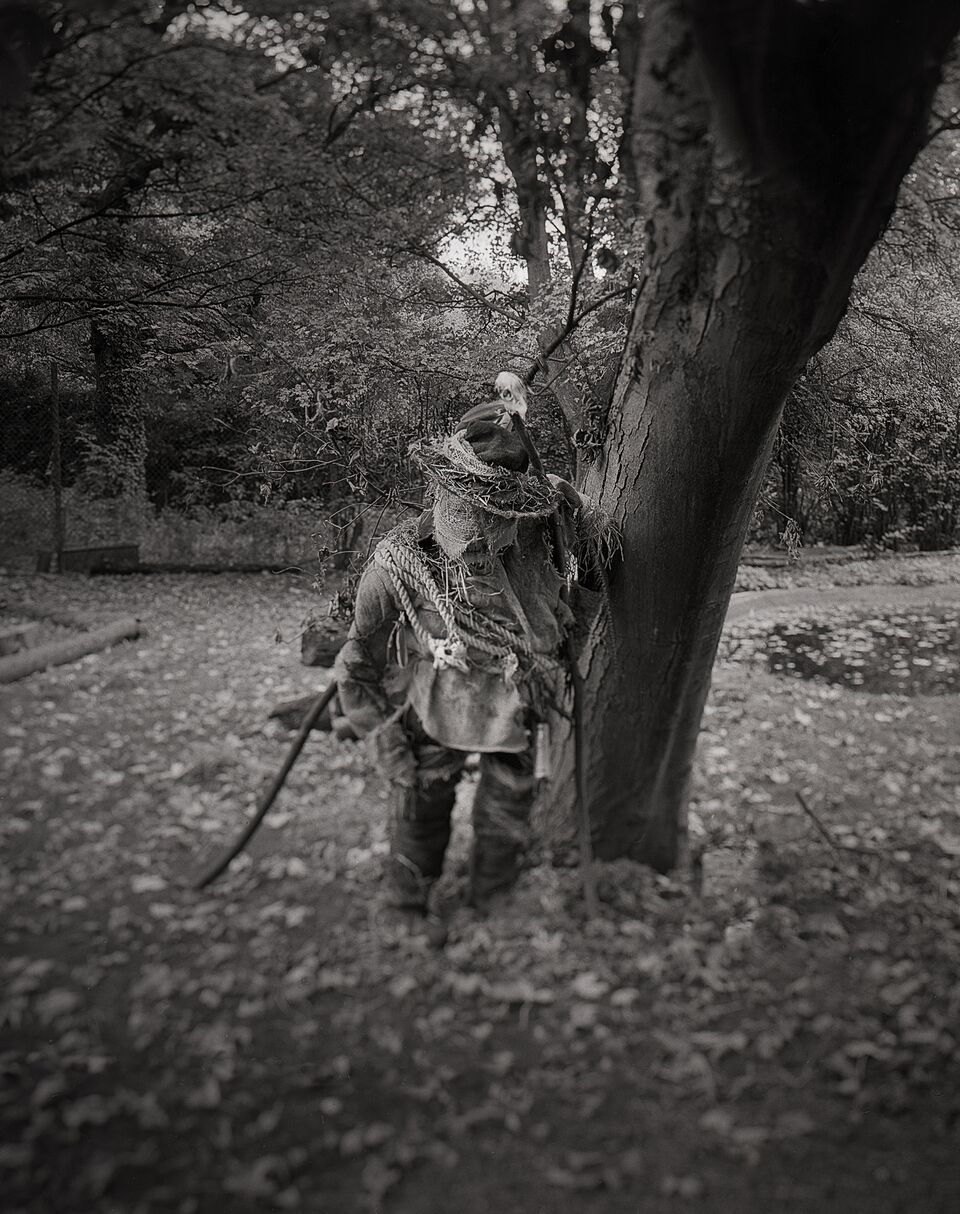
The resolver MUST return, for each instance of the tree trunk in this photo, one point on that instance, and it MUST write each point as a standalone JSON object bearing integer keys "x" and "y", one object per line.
{"x": 518, "y": 140}
{"x": 774, "y": 137}
{"x": 119, "y": 465}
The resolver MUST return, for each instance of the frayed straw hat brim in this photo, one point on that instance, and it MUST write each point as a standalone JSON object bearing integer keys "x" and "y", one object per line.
{"x": 452, "y": 465}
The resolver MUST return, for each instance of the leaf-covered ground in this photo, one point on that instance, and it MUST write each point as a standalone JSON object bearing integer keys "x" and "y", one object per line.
{"x": 774, "y": 1029}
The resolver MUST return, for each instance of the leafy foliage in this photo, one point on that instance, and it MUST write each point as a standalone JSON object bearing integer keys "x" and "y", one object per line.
{"x": 172, "y": 177}
{"x": 300, "y": 238}
{"x": 868, "y": 450}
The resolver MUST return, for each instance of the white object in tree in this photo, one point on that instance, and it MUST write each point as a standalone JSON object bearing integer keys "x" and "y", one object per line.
{"x": 511, "y": 389}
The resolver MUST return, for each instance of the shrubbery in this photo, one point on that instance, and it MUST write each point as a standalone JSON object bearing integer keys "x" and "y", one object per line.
{"x": 229, "y": 534}
{"x": 882, "y": 474}
{"x": 869, "y": 448}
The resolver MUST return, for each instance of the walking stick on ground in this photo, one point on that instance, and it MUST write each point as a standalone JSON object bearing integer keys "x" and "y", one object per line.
{"x": 268, "y": 798}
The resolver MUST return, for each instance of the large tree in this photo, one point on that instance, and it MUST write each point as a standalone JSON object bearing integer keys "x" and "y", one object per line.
{"x": 773, "y": 136}
{"x": 746, "y": 156}
{"x": 534, "y": 92}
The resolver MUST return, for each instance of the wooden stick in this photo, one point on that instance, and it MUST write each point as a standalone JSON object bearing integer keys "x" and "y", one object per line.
{"x": 584, "y": 834}
{"x": 821, "y": 829}
{"x": 270, "y": 795}
{"x": 56, "y": 467}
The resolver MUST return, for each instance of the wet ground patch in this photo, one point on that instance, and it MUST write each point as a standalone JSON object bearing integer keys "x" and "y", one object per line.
{"x": 909, "y": 653}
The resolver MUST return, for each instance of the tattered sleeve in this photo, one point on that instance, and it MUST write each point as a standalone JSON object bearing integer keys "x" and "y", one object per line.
{"x": 588, "y": 532}
{"x": 362, "y": 662}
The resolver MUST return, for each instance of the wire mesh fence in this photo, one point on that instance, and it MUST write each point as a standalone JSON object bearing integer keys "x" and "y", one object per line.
{"x": 53, "y": 518}
{"x": 50, "y": 522}
{"x": 41, "y": 530}
{"x": 312, "y": 486}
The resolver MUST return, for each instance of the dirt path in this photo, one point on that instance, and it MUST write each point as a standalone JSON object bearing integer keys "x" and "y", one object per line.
{"x": 775, "y": 1030}
{"x": 769, "y": 602}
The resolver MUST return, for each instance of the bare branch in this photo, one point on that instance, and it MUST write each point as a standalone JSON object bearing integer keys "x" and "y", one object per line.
{"x": 594, "y": 305}
{"x": 480, "y": 297}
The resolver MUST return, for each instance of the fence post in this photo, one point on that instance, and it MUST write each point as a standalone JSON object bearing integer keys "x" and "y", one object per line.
{"x": 56, "y": 468}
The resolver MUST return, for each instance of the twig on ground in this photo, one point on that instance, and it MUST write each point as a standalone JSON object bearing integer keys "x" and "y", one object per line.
{"x": 821, "y": 829}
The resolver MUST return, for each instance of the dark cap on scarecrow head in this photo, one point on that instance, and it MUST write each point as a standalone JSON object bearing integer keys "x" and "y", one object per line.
{"x": 492, "y": 442}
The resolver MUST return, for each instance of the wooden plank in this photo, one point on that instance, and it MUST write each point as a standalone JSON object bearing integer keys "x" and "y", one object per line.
{"x": 108, "y": 558}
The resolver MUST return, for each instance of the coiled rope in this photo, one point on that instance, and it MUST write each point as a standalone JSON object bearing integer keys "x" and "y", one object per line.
{"x": 400, "y": 558}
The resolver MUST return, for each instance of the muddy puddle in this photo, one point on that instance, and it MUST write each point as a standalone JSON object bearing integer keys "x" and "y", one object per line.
{"x": 908, "y": 654}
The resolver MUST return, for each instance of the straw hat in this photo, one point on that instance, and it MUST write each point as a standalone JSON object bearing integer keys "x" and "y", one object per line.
{"x": 485, "y": 465}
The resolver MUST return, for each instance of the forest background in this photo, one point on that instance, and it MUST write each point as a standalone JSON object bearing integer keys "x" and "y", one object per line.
{"x": 259, "y": 252}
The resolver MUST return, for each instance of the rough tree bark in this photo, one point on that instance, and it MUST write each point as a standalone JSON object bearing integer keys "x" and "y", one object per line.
{"x": 773, "y": 136}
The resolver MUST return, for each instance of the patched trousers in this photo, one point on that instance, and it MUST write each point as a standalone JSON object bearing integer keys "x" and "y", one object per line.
{"x": 420, "y": 819}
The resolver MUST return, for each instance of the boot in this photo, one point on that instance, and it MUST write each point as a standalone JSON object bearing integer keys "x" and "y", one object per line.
{"x": 404, "y": 909}
{"x": 407, "y": 888}
{"x": 494, "y": 868}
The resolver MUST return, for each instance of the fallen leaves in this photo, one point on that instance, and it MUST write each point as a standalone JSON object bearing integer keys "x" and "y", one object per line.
{"x": 689, "y": 1188}
{"x": 589, "y": 985}
{"x": 402, "y": 986}
{"x": 518, "y": 991}
{"x": 207, "y": 1095}
{"x": 48, "y": 1090}
{"x": 55, "y": 1004}
{"x": 264, "y": 1043}
{"x": 91, "y": 1110}
{"x": 258, "y": 1178}
{"x": 147, "y": 883}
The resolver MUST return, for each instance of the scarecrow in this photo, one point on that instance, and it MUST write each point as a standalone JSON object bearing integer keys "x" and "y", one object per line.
{"x": 455, "y": 648}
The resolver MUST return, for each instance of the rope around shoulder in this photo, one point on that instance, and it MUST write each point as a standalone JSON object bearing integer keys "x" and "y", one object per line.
{"x": 471, "y": 636}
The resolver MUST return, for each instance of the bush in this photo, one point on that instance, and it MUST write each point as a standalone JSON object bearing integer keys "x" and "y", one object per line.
{"x": 882, "y": 473}
{"x": 234, "y": 533}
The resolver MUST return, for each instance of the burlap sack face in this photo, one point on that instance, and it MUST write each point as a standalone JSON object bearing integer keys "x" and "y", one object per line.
{"x": 459, "y": 526}
{"x": 499, "y": 533}
{"x": 456, "y": 524}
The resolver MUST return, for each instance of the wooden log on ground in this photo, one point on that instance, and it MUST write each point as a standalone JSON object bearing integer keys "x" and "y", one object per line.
{"x": 35, "y": 611}
{"x": 17, "y": 637}
{"x": 56, "y": 653}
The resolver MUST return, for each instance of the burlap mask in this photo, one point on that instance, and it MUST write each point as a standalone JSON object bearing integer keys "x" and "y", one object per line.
{"x": 461, "y": 528}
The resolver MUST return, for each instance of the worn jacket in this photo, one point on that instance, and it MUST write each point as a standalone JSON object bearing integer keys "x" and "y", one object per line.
{"x": 382, "y": 668}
